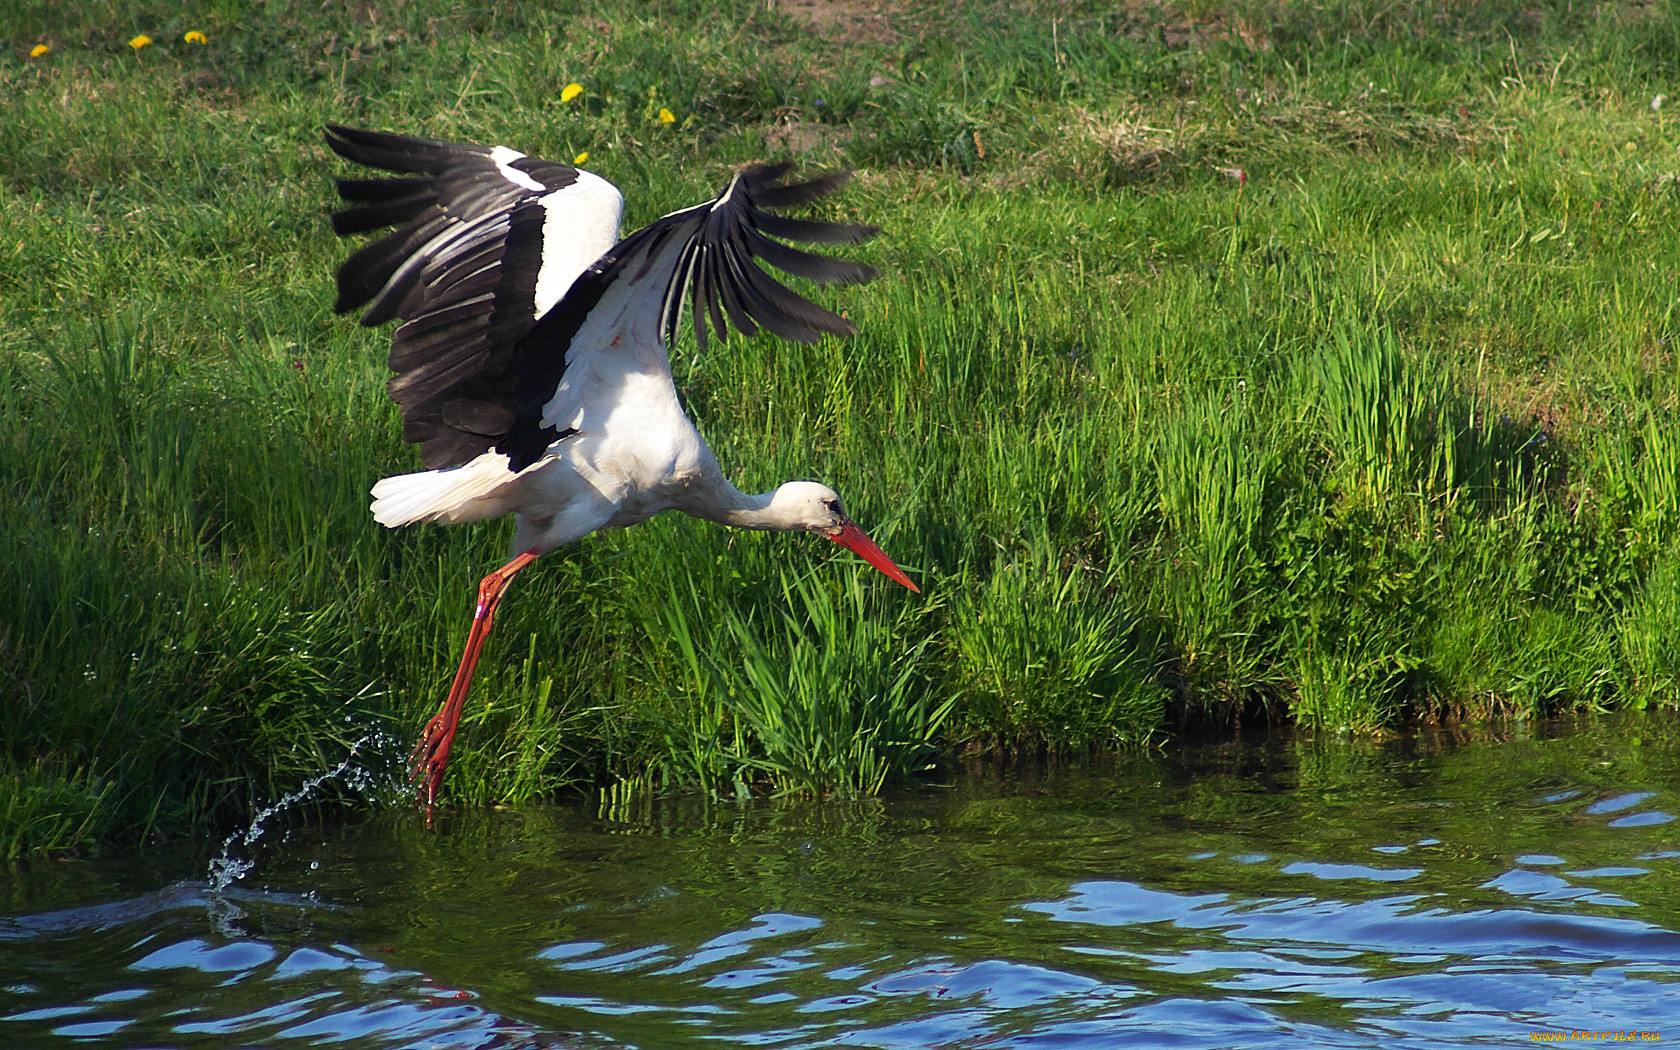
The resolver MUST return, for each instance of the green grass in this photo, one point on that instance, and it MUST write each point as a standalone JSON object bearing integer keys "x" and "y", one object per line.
{"x": 1384, "y": 430}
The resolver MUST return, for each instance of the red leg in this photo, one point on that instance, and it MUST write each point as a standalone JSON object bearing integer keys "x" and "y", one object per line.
{"x": 431, "y": 754}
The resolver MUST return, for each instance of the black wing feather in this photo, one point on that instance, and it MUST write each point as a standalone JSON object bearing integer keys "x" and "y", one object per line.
{"x": 795, "y": 193}
{"x": 389, "y": 152}
{"x": 739, "y": 230}
{"x": 710, "y": 293}
{"x": 382, "y": 188}
{"x": 813, "y": 266}
{"x": 726, "y": 285}
{"x": 391, "y": 209}
{"x": 813, "y": 230}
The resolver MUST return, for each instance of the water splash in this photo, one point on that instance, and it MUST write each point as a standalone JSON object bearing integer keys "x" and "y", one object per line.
{"x": 226, "y": 868}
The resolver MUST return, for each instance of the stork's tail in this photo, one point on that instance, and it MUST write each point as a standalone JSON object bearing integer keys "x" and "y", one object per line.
{"x": 451, "y": 496}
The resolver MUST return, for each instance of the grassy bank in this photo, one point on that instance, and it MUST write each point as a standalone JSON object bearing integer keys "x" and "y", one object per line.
{"x": 1266, "y": 360}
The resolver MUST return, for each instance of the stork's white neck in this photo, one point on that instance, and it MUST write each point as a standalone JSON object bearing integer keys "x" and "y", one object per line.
{"x": 794, "y": 505}
{"x": 730, "y": 506}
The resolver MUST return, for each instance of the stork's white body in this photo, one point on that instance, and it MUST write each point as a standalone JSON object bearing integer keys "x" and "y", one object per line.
{"x": 633, "y": 452}
{"x": 644, "y": 457}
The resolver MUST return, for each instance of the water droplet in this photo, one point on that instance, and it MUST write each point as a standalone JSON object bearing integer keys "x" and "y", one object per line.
{"x": 227, "y": 869}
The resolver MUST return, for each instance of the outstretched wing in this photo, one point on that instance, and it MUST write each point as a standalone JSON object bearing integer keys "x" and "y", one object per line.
{"x": 487, "y": 240}
{"x": 622, "y": 313}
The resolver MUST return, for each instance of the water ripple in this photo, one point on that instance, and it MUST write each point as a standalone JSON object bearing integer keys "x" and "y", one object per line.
{"x": 1311, "y": 897}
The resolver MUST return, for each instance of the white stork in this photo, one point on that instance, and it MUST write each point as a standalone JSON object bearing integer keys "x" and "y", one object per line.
{"x": 531, "y": 363}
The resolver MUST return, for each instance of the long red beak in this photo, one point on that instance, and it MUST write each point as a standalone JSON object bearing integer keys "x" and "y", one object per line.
{"x": 858, "y": 542}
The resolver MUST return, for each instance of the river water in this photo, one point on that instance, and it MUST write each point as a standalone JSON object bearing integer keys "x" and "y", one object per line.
{"x": 1491, "y": 889}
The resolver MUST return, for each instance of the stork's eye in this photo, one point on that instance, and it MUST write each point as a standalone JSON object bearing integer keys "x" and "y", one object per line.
{"x": 832, "y": 504}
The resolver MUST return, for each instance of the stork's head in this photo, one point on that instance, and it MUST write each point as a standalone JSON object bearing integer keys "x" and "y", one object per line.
{"x": 816, "y": 508}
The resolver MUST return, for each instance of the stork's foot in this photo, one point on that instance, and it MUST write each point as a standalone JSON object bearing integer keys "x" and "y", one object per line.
{"x": 431, "y": 756}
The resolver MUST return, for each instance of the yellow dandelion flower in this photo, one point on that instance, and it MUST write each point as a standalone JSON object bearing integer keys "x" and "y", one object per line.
{"x": 581, "y": 157}
{"x": 140, "y": 41}
{"x": 195, "y": 37}
{"x": 666, "y": 116}
{"x": 39, "y": 49}
{"x": 570, "y": 91}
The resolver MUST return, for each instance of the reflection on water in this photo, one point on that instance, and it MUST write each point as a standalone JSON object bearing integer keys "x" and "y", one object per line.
{"x": 1416, "y": 893}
